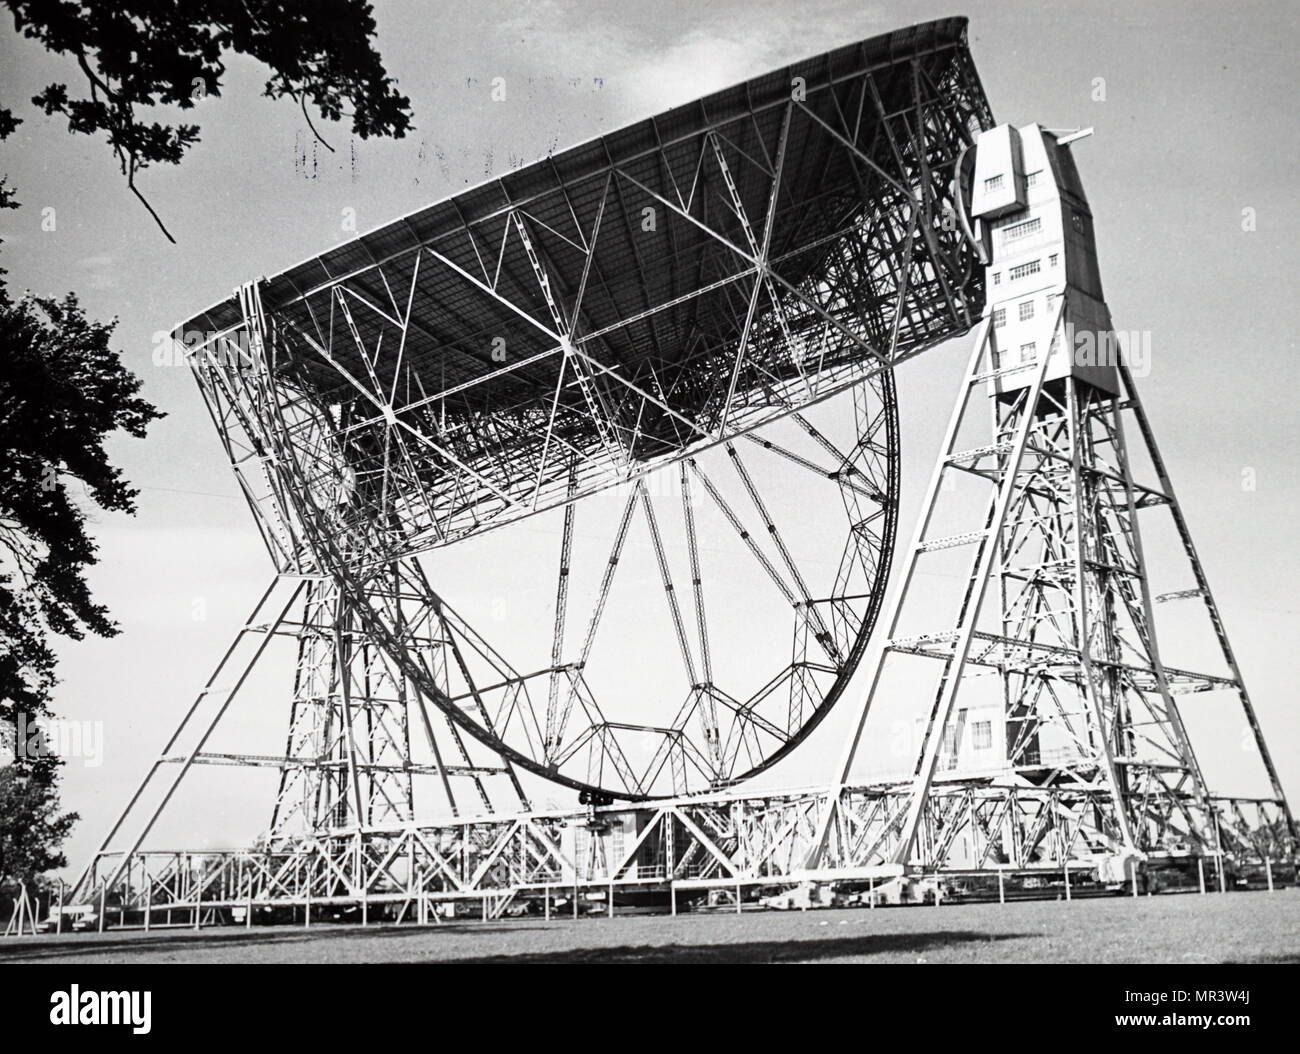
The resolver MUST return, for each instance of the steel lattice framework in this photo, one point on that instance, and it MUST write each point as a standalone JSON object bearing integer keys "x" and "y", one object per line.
{"x": 663, "y": 288}
{"x": 630, "y": 304}
{"x": 683, "y": 847}
{"x": 676, "y": 303}
{"x": 1058, "y": 615}
{"x": 1052, "y": 634}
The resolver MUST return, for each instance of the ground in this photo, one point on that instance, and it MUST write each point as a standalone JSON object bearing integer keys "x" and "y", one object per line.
{"x": 1237, "y": 927}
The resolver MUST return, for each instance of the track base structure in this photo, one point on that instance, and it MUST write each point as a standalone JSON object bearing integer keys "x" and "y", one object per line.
{"x": 727, "y": 849}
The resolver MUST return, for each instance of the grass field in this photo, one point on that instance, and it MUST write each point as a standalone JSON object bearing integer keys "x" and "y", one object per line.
{"x": 1238, "y": 927}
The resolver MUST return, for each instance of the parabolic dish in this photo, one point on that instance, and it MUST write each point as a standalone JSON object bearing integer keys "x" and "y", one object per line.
{"x": 680, "y": 300}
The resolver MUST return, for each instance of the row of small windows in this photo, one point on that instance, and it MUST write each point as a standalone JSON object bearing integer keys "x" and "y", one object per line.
{"x": 1025, "y": 309}
{"x": 981, "y": 739}
{"x": 995, "y": 182}
{"x": 1028, "y": 352}
{"x": 1033, "y": 267}
{"x": 1022, "y": 230}
{"x": 1003, "y": 359}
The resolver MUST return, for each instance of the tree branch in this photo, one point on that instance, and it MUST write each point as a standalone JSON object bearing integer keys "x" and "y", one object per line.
{"x": 130, "y": 182}
{"x": 302, "y": 101}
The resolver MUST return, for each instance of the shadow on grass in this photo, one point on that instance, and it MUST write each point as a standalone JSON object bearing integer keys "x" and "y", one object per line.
{"x": 754, "y": 951}
{"x": 53, "y": 948}
{"x": 1274, "y": 959}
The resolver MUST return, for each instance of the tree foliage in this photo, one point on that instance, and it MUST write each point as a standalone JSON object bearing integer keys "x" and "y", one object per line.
{"x": 133, "y": 55}
{"x": 31, "y": 827}
{"x": 63, "y": 392}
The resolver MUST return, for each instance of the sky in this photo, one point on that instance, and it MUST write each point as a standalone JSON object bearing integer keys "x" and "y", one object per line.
{"x": 1193, "y": 109}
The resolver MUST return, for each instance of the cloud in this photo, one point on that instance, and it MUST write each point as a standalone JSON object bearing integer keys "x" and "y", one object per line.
{"x": 663, "y": 61}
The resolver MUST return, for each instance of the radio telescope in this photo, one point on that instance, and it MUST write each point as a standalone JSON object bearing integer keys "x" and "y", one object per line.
{"x": 589, "y": 474}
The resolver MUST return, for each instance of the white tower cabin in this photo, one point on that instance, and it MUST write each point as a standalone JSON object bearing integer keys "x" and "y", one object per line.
{"x": 1027, "y": 191}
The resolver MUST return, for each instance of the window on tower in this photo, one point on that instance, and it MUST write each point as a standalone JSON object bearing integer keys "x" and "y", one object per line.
{"x": 982, "y": 735}
{"x": 950, "y": 747}
{"x": 1026, "y": 310}
{"x": 999, "y": 317}
{"x": 1022, "y": 230}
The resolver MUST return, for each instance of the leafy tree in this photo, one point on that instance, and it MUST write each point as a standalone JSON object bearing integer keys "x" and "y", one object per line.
{"x": 134, "y": 54}
{"x": 63, "y": 392}
{"x": 31, "y": 827}
{"x": 63, "y": 389}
